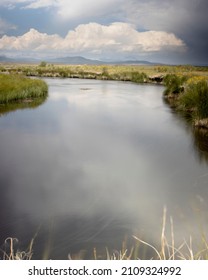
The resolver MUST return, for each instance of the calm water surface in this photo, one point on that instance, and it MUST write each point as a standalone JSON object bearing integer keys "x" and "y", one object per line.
{"x": 96, "y": 164}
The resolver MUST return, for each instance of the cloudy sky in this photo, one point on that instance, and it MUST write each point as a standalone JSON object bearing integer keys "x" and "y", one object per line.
{"x": 168, "y": 31}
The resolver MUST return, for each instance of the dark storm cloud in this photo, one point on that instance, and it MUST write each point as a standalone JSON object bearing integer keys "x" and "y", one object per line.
{"x": 195, "y": 31}
{"x": 187, "y": 19}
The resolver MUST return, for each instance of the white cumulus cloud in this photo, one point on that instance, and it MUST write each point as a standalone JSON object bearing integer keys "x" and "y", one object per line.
{"x": 94, "y": 38}
{"x": 32, "y": 40}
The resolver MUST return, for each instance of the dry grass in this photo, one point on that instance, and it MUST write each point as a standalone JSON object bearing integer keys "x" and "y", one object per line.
{"x": 168, "y": 250}
{"x": 12, "y": 254}
{"x": 96, "y": 71}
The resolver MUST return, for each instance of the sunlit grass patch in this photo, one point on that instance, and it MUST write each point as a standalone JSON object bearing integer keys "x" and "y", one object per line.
{"x": 174, "y": 84}
{"x": 16, "y": 87}
{"x": 195, "y": 98}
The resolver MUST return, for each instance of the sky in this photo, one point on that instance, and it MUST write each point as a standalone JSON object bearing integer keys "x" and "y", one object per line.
{"x": 166, "y": 31}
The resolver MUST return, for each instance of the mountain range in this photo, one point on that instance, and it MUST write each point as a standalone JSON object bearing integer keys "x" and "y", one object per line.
{"x": 74, "y": 60}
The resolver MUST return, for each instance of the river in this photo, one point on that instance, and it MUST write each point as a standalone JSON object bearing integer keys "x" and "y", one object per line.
{"x": 96, "y": 164}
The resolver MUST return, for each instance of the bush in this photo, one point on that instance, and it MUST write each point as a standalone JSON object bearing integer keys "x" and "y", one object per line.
{"x": 195, "y": 98}
{"x": 138, "y": 77}
{"x": 63, "y": 73}
{"x": 202, "y": 105}
{"x": 189, "y": 99}
{"x": 43, "y": 64}
{"x": 174, "y": 84}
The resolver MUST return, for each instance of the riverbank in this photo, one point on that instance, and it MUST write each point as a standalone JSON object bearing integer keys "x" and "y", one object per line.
{"x": 134, "y": 73}
{"x": 188, "y": 94}
{"x": 186, "y": 85}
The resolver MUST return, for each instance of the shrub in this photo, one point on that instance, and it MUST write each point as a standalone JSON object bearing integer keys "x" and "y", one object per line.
{"x": 189, "y": 99}
{"x": 138, "y": 77}
{"x": 202, "y": 105}
{"x": 195, "y": 97}
{"x": 63, "y": 73}
{"x": 105, "y": 74}
{"x": 43, "y": 64}
{"x": 174, "y": 84}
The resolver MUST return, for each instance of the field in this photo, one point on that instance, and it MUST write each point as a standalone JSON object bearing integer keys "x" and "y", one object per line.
{"x": 117, "y": 72}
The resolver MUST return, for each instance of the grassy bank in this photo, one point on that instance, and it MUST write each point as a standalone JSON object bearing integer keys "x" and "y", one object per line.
{"x": 189, "y": 95}
{"x": 134, "y": 73}
{"x": 15, "y": 88}
{"x": 186, "y": 85}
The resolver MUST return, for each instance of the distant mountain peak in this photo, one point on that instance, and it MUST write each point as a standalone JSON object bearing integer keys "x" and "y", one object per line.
{"x": 79, "y": 60}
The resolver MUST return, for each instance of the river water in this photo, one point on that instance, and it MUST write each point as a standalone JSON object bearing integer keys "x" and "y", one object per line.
{"x": 96, "y": 164}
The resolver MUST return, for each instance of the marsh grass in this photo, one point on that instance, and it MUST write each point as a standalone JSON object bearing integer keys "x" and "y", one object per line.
{"x": 202, "y": 104}
{"x": 14, "y": 88}
{"x": 174, "y": 84}
{"x": 195, "y": 97}
{"x": 189, "y": 95}
{"x": 15, "y": 254}
{"x": 167, "y": 249}
{"x": 100, "y": 70}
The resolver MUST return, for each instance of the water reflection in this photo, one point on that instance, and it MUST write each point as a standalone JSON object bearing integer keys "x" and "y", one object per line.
{"x": 26, "y": 104}
{"x": 201, "y": 143}
{"x": 90, "y": 167}
{"x": 199, "y": 135}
